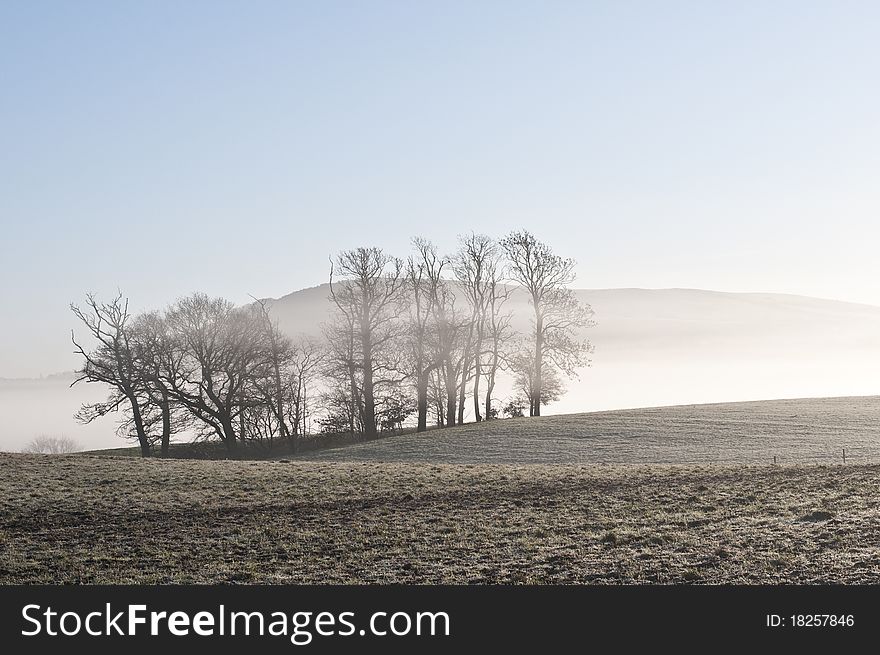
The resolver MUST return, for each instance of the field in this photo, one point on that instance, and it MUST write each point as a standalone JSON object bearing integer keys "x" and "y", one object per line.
{"x": 93, "y": 519}
{"x": 793, "y": 431}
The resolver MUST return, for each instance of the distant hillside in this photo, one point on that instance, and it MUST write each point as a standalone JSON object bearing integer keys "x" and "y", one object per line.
{"x": 649, "y": 317}
{"x": 677, "y": 346}
{"x": 56, "y": 378}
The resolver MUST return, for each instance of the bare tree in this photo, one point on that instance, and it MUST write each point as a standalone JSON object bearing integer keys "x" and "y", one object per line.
{"x": 219, "y": 356}
{"x": 49, "y": 445}
{"x": 302, "y": 371}
{"x": 154, "y": 346}
{"x": 498, "y": 332}
{"x": 557, "y": 312}
{"x": 425, "y": 286}
{"x": 279, "y": 351}
{"x": 476, "y": 267}
{"x": 341, "y": 365}
{"x": 365, "y": 286}
{"x": 451, "y": 333}
{"x": 398, "y": 343}
{"x": 113, "y": 362}
{"x": 437, "y": 397}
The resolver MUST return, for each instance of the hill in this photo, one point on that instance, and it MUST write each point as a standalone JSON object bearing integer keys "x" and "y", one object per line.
{"x": 682, "y": 346}
{"x": 794, "y": 431}
{"x": 586, "y": 498}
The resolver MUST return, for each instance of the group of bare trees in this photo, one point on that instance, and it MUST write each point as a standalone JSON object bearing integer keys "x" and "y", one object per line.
{"x": 47, "y": 444}
{"x": 412, "y": 337}
{"x": 203, "y": 367}
{"x": 421, "y": 335}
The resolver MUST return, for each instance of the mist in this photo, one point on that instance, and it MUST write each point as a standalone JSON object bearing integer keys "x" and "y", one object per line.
{"x": 652, "y": 348}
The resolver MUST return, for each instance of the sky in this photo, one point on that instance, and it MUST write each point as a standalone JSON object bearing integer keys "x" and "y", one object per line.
{"x": 232, "y": 147}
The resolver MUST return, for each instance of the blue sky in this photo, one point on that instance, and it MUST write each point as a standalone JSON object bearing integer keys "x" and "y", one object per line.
{"x": 231, "y": 147}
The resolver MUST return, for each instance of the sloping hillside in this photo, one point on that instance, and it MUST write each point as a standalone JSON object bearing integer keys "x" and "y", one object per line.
{"x": 794, "y": 431}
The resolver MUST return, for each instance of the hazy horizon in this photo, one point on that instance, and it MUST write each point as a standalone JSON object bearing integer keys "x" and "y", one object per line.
{"x": 653, "y": 348}
{"x": 68, "y": 363}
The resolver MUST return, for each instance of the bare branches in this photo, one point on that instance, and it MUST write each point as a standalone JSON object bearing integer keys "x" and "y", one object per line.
{"x": 223, "y": 355}
{"x": 426, "y": 288}
{"x": 114, "y": 361}
{"x": 414, "y": 336}
{"x": 369, "y": 304}
{"x": 557, "y": 313}
{"x": 50, "y": 445}
{"x": 476, "y": 267}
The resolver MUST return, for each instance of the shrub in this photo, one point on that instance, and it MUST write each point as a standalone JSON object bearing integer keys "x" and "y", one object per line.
{"x": 49, "y": 445}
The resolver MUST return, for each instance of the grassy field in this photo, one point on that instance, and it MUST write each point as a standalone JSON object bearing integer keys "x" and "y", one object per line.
{"x": 95, "y": 519}
{"x": 76, "y": 519}
{"x": 794, "y": 431}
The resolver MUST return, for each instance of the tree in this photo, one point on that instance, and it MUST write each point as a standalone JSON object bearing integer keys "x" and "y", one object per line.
{"x": 476, "y": 267}
{"x": 365, "y": 287}
{"x": 557, "y": 312}
{"x": 49, "y": 445}
{"x": 451, "y": 333}
{"x": 424, "y": 286}
{"x": 515, "y": 408}
{"x": 395, "y": 411}
{"x": 498, "y": 334}
{"x": 341, "y": 371}
{"x": 437, "y": 397}
{"x": 551, "y": 387}
{"x": 279, "y": 353}
{"x": 334, "y": 422}
{"x": 219, "y": 357}
{"x": 113, "y": 362}
{"x": 302, "y": 371}
{"x": 153, "y": 347}
{"x": 341, "y": 414}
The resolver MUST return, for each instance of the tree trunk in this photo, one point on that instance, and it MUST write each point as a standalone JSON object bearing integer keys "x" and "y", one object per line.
{"x": 229, "y": 436}
{"x": 139, "y": 425}
{"x": 422, "y": 399}
{"x": 166, "y": 423}
{"x": 493, "y": 371}
{"x": 477, "y": 373}
{"x": 450, "y": 410}
{"x": 461, "y": 401}
{"x": 355, "y": 402}
{"x": 539, "y": 361}
{"x": 293, "y": 432}
{"x": 369, "y": 398}
{"x": 279, "y": 392}
{"x": 450, "y": 397}
{"x": 490, "y": 387}
{"x": 465, "y": 373}
{"x": 462, "y": 389}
